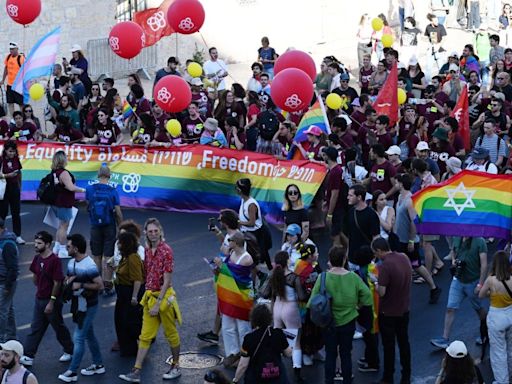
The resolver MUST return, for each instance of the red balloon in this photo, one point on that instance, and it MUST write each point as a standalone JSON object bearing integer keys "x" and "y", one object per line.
{"x": 172, "y": 94}
{"x": 23, "y": 11}
{"x": 186, "y": 16}
{"x": 296, "y": 59}
{"x": 292, "y": 90}
{"x": 126, "y": 39}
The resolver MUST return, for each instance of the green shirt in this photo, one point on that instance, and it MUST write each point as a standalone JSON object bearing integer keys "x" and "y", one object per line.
{"x": 348, "y": 292}
{"x": 469, "y": 252}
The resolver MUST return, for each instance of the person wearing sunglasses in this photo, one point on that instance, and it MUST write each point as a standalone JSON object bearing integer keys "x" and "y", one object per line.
{"x": 28, "y": 116}
{"x": 294, "y": 211}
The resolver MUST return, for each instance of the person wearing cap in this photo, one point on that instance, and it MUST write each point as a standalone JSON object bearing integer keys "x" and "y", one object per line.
{"x": 213, "y": 135}
{"x": 441, "y": 148}
{"x": 335, "y": 200}
{"x": 346, "y": 92}
{"x": 498, "y": 287}
{"x": 493, "y": 143}
{"x": 453, "y": 167}
{"x": 47, "y": 276}
{"x": 496, "y": 112}
{"x": 454, "y": 84}
{"x": 104, "y": 217}
{"x": 394, "y": 153}
{"x": 453, "y": 58}
{"x": 480, "y": 161}
{"x": 200, "y": 97}
{"x": 458, "y": 366}
{"x": 9, "y": 271}
{"x": 170, "y": 69}
{"x": 12, "y": 64}
{"x": 417, "y": 77}
{"x": 423, "y": 152}
{"x": 14, "y": 372}
{"x": 215, "y": 70}
{"x": 78, "y": 65}
{"x": 312, "y": 149}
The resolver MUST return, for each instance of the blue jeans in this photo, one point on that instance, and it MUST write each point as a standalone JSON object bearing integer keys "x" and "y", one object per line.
{"x": 339, "y": 339}
{"x": 7, "y": 320}
{"x": 79, "y": 338}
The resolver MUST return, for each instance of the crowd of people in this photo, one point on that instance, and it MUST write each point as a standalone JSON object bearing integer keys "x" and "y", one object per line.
{"x": 267, "y": 302}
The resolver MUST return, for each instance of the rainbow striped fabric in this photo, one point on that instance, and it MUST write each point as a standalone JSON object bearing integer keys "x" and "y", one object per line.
{"x": 468, "y": 204}
{"x": 234, "y": 290}
{"x": 127, "y": 110}
{"x": 315, "y": 116}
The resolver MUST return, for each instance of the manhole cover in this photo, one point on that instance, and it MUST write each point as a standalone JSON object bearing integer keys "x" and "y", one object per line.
{"x": 198, "y": 360}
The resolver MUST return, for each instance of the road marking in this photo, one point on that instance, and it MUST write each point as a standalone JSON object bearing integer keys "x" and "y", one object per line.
{"x": 198, "y": 282}
{"x": 24, "y": 277}
{"x": 21, "y": 214}
{"x": 27, "y": 326}
{"x": 108, "y": 305}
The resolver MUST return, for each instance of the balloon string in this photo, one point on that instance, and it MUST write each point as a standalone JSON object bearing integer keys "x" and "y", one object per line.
{"x": 207, "y": 47}
{"x": 177, "y": 56}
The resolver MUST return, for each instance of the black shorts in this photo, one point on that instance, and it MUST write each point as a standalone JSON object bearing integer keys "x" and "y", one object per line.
{"x": 103, "y": 240}
{"x": 413, "y": 256}
{"x": 13, "y": 97}
{"x": 338, "y": 222}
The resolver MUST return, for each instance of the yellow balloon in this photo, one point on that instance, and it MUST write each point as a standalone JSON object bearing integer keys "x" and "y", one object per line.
{"x": 377, "y": 24}
{"x": 36, "y": 91}
{"x": 333, "y": 101}
{"x": 194, "y": 69}
{"x": 173, "y": 126}
{"x": 401, "y": 96}
{"x": 387, "y": 41}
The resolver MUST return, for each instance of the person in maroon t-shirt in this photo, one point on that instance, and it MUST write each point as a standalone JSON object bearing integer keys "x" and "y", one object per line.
{"x": 382, "y": 131}
{"x": 335, "y": 201}
{"x": 406, "y": 123}
{"x": 234, "y": 134}
{"x": 4, "y": 129}
{"x": 452, "y": 126}
{"x": 192, "y": 125}
{"x": 432, "y": 109}
{"x": 23, "y": 130}
{"x": 145, "y": 132}
{"x": 362, "y": 134}
{"x": 159, "y": 116}
{"x": 360, "y": 105}
{"x": 340, "y": 127}
{"x": 200, "y": 97}
{"x": 48, "y": 276}
{"x": 105, "y": 132}
{"x": 441, "y": 149}
{"x": 382, "y": 175}
{"x": 365, "y": 73}
{"x": 64, "y": 133}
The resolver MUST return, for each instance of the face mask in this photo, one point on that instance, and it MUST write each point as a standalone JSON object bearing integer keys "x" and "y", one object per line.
{"x": 9, "y": 365}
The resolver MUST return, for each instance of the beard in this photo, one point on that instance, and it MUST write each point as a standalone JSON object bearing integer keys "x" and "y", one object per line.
{"x": 9, "y": 365}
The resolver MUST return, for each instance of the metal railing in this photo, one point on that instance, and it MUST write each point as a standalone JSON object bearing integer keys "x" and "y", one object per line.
{"x": 105, "y": 63}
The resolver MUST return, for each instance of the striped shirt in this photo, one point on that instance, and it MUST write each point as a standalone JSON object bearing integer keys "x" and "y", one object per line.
{"x": 491, "y": 144}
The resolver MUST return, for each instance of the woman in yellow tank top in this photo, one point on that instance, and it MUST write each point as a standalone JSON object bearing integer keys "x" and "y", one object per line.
{"x": 498, "y": 287}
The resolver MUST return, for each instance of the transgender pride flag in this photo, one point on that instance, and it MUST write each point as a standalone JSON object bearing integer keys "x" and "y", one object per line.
{"x": 39, "y": 63}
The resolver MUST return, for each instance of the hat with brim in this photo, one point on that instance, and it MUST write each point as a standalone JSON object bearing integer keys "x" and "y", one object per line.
{"x": 196, "y": 81}
{"x": 422, "y": 146}
{"x": 293, "y": 230}
{"x": 211, "y": 124}
{"x": 454, "y": 164}
{"x": 76, "y": 48}
{"x": 13, "y": 346}
{"x": 453, "y": 67}
{"x": 394, "y": 150}
{"x": 314, "y": 130}
{"x": 457, "y": 349}
{"x": 441, "y": 134}
{"x": 13, "y": 45}
{"x": 479, "y": 153}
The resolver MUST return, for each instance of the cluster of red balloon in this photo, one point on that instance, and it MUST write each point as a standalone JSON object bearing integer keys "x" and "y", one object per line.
{"x": 292, "y": 88}
{"x": 23, "y": 11}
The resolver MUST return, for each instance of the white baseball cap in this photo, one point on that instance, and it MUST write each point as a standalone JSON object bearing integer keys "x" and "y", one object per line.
{"x": 453, "y": 67}
{"x": 457, "y": 349}
{"x": 13, "y": 346}
{"x": 13, "y": 45}
{"x": 394, "y": 150}
{"x": 422, "y": 146}
{"x": 76, "y": 48}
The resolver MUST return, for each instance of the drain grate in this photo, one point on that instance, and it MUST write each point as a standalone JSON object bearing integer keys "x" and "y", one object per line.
{"x": 199, "y": 360}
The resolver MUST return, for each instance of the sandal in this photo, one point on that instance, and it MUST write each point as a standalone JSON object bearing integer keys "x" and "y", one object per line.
{"x": 419, "y": 280}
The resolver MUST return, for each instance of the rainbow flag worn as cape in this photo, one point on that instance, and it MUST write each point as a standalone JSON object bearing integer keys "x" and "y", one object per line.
{"x": 234, "y": 290}
{"x": 127, "y": 110}
{"x": 303, "y": 269}
{"x": 469, "y": 204}
{"x": 315, "y": 116}
{"x": 364, "y": 272}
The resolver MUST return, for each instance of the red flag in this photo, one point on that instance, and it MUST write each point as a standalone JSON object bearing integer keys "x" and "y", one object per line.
{"x": 461, "y": 113}
{"x": 154, "y": 23}
{"x": 387, "y": 99}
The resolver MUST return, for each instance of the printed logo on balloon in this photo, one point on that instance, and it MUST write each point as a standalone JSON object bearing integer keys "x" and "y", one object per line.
{"x": 157, "y": 21}
{"x": 114, "y": 43}
{"x": 12, "y": 10}
{"x": 186, "y": 16}
{"x": 23, "y": 12}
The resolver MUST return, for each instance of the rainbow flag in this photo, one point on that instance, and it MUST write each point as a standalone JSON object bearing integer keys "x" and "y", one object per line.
{"x": 468, "y": 204}
{"x": 234, "y": 291}
{"x": 315, "y": 116}
{"x": 127, "y": 110}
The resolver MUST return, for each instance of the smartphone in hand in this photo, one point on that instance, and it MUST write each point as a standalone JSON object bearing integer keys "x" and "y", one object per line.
{"x": 211, "y": 224}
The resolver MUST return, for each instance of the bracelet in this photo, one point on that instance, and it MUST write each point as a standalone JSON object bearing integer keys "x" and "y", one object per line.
{"x": 53, "y": 298}
{"x": 411, "y": 241}
{"x": 134, "y": 298}
{"x": 329, "y": 215}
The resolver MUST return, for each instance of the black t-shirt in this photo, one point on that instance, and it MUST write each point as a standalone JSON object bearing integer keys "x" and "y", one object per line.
{"x": 362, "y": 234}
{"x": 295, "y": 216}
{"x": 435, "y": 34}
{"x": 350, "y": 94}
{"x": 506, "y": 90}
{"x": 272, "y": 346}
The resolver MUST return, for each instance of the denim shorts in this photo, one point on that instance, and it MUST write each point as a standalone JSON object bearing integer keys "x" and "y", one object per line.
{"x": 459, "y": 291}
{"x": 63, "y": 214}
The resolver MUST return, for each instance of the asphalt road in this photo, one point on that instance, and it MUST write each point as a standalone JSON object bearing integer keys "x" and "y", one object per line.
{"x": 187, "y": 233}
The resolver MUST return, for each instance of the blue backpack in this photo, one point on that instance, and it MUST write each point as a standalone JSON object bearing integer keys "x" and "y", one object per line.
{"x": 320, "y": 307}
{"x": 101, "y": 205}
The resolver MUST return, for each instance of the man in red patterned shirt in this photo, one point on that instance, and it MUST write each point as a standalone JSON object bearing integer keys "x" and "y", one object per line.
{"x": 159, "y": 302}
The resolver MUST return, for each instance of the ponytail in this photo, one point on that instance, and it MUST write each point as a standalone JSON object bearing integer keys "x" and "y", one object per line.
{"x": 278, "y": 280}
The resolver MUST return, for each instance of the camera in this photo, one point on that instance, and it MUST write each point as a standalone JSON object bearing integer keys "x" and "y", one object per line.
{"x": 457, "y": 268}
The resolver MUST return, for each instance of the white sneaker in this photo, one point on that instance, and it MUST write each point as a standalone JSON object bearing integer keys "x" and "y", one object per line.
{"x": 20, "y": 240}
{"x": 93, "y": 369}
{"x": 173, "y": 373}
{"x": 65, "y": 358}
{"x": 27, "y": 361}
{"x": 307, "y": 360}
{"x": 357, "y": 335}
{"x": 68, "y": 376}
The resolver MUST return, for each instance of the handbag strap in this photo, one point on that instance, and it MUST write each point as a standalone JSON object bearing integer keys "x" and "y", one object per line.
{"x": 359, "y": 228}
{"x": 261, "y": 340}
{"x": 322, "y": 283}
{"x": 507, "y": 288}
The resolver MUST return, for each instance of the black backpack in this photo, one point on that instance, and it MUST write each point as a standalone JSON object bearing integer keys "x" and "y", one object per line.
{"x": 253, "y": 248}
{"x": 18, "y": 58}
{"x": 26, "y": 374}
{"x": 268, "y": 125}
{"x": 47, "y": 190}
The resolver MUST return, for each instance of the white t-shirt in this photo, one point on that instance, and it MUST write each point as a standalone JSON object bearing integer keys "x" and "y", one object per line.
{"x": 360, "y": 174}
{"x": 217, "y": 67}
{"x": 491, "y": 168}
{"x": 243, "y": 214}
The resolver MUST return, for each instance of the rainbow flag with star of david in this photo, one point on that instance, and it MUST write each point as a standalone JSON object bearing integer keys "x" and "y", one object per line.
{"x": 469, "y": 204}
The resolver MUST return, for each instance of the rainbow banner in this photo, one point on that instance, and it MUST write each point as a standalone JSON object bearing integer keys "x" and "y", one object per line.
{"x": 468, "y": 204}
{"x": 192, "y": 178}
{"x": 234, "y": 290}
